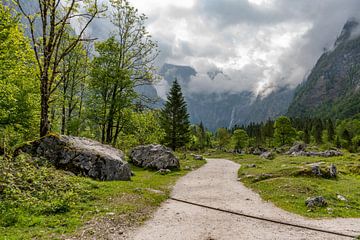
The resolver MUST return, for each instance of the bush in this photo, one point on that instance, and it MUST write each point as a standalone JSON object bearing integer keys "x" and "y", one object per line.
{"x": 32, "y": 186}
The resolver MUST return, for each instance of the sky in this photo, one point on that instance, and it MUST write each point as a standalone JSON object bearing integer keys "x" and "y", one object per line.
{"x": 259, "y": 45}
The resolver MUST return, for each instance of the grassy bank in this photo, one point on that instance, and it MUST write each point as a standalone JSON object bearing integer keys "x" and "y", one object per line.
{"x": 40, "y": 202}
{"x": 287, "y": 183}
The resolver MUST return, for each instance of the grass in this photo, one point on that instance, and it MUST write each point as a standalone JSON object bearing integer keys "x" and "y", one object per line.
{"x": 133, "y": 201}
{"x": 286, "y": 182}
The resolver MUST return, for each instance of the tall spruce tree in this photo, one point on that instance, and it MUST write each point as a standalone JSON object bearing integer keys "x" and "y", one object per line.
{"x": 175, "y": 119}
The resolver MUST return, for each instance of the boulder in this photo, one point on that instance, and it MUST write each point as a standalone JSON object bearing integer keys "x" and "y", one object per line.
{"x": 316, "y": 202}
{"x": 333, "y": 171}
{"x": 155, "y": 157}
{"x": 328, "y": 153}
{"x": 80, "y": 156}
{"x": 268, "y": 155}
{"x": 256, "y": 151}
{"x": 331, "y": 153}
{"x": 316, "y": 170}
{"x": 297, "y": 147}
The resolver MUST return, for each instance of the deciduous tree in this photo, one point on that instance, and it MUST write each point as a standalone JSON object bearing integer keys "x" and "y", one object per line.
{"x": 48, "y": 27}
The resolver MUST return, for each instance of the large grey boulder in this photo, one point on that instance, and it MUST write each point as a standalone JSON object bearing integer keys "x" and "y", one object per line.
{"x": 155, "y": 157}
{"x": 81, "y": 156}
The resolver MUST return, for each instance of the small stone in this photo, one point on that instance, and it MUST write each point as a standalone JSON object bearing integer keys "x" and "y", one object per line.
{"x": 198, "y": 157}
{"x": 341, "y": 198}
{"x": 155, "y": 191}
{"x": 187, "y": 168}
{"x": 251, "y": 165}
{"x": 164, "y": 171}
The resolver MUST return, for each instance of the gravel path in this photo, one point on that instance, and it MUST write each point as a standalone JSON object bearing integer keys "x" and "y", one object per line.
{"x": 216, "y": 185}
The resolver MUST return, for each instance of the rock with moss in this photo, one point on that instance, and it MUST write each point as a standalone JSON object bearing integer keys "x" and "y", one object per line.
{"x": 316, "y": 202}
{"x": 154, "y": 157}
{"x": 296, "y": 148}
{"x": 268, "y": 155}
{"x": 80, "y": 156}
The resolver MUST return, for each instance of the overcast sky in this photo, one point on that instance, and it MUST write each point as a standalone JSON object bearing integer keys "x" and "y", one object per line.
{"x": 259, "y": 44}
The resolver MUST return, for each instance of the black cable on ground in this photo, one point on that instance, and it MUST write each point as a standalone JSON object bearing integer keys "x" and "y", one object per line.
{"x": 265, "y": 219}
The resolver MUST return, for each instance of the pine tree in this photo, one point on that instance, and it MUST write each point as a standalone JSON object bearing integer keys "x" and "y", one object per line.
{"x": 175, "y": 119}
{"x": 306, "y": 138}
{"x": 202, "y": 136}
{"x": 318, "y": 128}
{"x": 330, "y": 131}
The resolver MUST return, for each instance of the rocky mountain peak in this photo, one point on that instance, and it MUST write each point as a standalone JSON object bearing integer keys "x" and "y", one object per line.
{"x": 350, "y": 29}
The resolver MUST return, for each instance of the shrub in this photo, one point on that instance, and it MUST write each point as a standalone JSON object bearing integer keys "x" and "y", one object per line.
{"x": 32, "y": 186}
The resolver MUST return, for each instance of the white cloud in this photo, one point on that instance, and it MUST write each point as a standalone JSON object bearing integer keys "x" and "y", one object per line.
{"x": 259, "y": 44}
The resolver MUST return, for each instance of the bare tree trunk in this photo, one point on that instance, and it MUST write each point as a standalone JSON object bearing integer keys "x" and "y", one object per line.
{"x": 63, "y": 119}
{"x": 44, "y": 122}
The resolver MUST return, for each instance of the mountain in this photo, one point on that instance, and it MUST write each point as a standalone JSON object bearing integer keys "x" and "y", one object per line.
{"x": 226, "y": 109}
{"x": 333, "y": 87}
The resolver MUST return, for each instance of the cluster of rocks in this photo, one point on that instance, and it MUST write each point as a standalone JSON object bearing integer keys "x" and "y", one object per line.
{"x": 330, "y": 172}
{"x": 299, "y": 150}
{"x": 320, "y": 201}
{"x": 154, "y": 157}
{"x": 85, "y": 157}
{"x": 80, "y": 156}
{"x": 256, "y": 151}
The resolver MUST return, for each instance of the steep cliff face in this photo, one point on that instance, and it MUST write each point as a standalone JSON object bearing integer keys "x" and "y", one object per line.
{"x": 226, "y": 109}
{"x": 333, "y": 87}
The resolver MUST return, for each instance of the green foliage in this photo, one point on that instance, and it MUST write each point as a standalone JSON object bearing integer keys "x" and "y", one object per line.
{"x": 239, "y": 139}
{"x": 284, "y": 132}
{"x": 112, "y": 89}
{"x": 175, "y": 119}
{"x": 124, "y": 61}
{"x": 200, "y": 137}
{"x": 142, "y": 128}
{"x": 348, "y": 130}
{"x": 223, "y": 138}
{"x": 31, "y": 186}
{"x": 317, "y": 131}
{"x": 330, "y": 131}
{"x": 19, "y": 91}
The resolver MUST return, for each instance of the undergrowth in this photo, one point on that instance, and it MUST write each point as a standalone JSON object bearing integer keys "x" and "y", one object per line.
{"x": 39, "y": 202}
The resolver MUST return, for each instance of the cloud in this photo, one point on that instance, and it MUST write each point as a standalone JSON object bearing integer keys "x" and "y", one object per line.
{"x": 258, "y": 44}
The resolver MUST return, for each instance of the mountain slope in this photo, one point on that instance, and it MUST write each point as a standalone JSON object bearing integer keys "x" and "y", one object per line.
{"x": 226, "y": 109}
{"x": 333, "y": 87}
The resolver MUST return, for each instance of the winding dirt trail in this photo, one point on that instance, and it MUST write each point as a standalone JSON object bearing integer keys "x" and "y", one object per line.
{"x": 216, "y": 185}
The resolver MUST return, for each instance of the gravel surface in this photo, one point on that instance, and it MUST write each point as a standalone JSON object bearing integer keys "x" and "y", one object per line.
{"x": 216, "y": 185}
